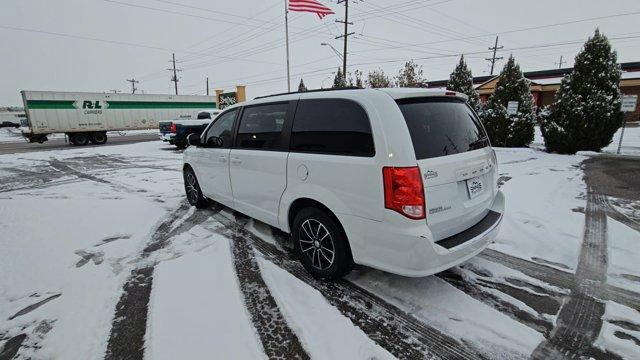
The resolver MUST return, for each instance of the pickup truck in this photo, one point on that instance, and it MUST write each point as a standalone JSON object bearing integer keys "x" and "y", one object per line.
{"x": 176, "y": 131}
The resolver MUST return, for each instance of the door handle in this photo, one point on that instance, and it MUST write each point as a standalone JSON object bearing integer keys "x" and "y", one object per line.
{"x": 236, "y": 160}
{"x": 223, "y": 159}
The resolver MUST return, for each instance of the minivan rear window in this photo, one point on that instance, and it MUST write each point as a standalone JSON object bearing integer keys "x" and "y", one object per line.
{"x": 442, "y": 126}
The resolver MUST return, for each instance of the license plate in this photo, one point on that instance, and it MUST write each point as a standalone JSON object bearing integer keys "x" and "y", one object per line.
{"x": 475, "y": 187}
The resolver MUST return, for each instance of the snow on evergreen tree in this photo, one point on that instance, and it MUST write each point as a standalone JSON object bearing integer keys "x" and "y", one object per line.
{"x": 339, "y": 81}
{"x": 355, "y": 80}
{"x": 301, "y": 86}
{"x": 461, "y": 80}
{"x": 586, "y": 111}
{"x": 516, "y": 130}
{"x": 358, "y": 75}
{"x": 411, "y": 76}
{"x": 378, "y": 79}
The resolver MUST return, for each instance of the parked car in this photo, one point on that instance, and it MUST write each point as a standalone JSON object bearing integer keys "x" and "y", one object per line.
{"x": 9, "y": 124}
{"x": 401, "y": 180}
{"x": 176, "y": 131}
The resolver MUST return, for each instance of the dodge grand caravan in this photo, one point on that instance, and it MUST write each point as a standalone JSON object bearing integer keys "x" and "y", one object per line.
{"x": 401, "y": 180}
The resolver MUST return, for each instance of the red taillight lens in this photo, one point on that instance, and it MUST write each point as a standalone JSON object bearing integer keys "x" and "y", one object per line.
{"x": 173, "y": 128}
{"x": 403, "y": 191}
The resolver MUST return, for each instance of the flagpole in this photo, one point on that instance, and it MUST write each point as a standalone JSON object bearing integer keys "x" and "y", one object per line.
{"x": 286, "y": 29}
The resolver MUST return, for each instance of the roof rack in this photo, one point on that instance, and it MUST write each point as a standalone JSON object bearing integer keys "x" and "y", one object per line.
{"x": 308, "y": 91}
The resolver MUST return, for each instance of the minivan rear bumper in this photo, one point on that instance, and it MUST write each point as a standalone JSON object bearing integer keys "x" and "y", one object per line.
{"x": 411, "y": 251}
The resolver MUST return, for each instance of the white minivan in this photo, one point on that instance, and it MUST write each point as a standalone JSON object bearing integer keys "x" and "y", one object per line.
{"x": 401, "y": 180}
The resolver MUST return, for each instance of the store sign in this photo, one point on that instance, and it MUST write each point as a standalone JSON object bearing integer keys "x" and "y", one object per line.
{"x": 629, "y": 103}
{"x": 512, "y": 108}
{"x": 227, "y": 99}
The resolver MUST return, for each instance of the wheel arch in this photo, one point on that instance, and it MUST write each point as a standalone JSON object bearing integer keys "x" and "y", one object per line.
{"x": 302, "y": 203}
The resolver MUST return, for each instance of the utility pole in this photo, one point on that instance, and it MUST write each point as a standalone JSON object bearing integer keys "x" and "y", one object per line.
{"x": 559, "y": 63}
{"x": 286, "y": 30}
{"x": 174, "y": 78}
{"x": 493, "y": 59}
{"x": 133, "y": 85}
{"x": 207, "y": 86}
{"x": 345, "y": 36}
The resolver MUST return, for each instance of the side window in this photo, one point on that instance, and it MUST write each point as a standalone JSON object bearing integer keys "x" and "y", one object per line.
{"x": 261, "y": 127}
{"x": 222, "y": 128}
{"x": 332, "y": 126}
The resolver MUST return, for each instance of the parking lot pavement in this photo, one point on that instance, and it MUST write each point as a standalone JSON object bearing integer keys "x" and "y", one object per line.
{"x": 104, "y": 258}
{"x": 15, "y": 147}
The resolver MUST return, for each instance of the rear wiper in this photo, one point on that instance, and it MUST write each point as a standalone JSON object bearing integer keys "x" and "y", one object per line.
{"x": 478, "y": 144}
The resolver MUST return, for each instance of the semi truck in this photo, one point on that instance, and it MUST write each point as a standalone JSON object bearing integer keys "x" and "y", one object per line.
{"x": 86, "y": 117}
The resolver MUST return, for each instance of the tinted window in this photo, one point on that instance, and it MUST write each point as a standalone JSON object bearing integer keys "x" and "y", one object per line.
{"x": 332, "y": 126}
{"x": 261, "y": 127}
{"x": 441, "y": 126}
{"x": 204, "y": 115}
{"x": 223, "y": 128}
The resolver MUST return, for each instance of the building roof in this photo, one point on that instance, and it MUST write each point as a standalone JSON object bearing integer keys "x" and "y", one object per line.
{"x": 630, "y": 70}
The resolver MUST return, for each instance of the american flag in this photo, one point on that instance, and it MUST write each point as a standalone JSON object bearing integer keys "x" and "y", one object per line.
{"x": 310, "y": 6}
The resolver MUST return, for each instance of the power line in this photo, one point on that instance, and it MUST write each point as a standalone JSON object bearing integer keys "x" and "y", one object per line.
{"x": 512, "y": 31}
{"x": 493, "y": 59}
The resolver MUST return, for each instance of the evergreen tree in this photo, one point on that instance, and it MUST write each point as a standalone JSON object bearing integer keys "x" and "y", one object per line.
{"x": 358, "y": 75}
{"x": 339, "y": 81}
{"x": 461, "y": 80}
{"x": 586, "y": 111}
{"x": 378, "y": 79}
{"x": 411, "y": 76}
{"x": 301, "y": 86}
{"x": 516, "y": 130}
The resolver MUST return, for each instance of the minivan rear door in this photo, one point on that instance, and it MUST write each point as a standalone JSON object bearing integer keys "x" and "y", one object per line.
{"x": 258, "y": 161}
{"x": 457, "y": 163}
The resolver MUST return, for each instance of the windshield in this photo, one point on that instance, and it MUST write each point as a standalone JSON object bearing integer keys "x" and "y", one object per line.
{"x": 442, "y": 126}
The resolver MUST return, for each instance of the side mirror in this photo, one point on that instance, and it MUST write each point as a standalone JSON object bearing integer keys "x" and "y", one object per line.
{"x": 194, "y": 140}
{"x": 214, "y": 141}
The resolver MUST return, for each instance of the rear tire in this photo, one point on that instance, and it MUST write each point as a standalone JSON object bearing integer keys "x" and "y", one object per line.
{"x": 321, "y": 244}
{"x": 98, "y": 138}
{"x": 79, "y": 139}
{"x": 192, "y": 189}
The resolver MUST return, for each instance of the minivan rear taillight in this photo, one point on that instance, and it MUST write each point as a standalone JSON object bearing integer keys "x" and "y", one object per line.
{"x": 403, "y": 191}
{"x": 173, "y": 128}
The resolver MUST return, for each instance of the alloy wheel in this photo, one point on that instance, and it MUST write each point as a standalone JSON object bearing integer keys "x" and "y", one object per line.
{"x": 317, "y": 244}
{"x": 192, "y": 190}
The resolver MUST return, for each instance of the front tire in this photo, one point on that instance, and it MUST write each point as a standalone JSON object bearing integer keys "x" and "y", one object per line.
{"x": 192, "y": 189}
{"x": 321, "y": 244}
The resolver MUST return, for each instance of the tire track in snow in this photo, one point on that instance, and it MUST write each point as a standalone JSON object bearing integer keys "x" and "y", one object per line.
{"x": 129, "y": 325}
{"x": 278, "y": 340}
{"x": 398, "y": 332}
{"x": 580, "y": 318}
{"x": 561, "y": 279}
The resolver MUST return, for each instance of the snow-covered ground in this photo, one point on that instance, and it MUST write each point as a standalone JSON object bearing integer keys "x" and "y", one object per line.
{"x": 75, "y": 222}
{"x": 542, "y": 192}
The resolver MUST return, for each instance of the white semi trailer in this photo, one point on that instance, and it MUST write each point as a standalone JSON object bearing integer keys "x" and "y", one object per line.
{"x": 86, "y": 117}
